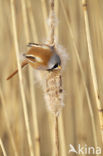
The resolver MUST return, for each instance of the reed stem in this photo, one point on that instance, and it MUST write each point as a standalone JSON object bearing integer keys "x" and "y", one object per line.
{"x": 52, "y": 22}
{"x": 32, "y": 21}
{"x": 62, "y": 144}
{"x": 82, "y": 72}
{"x": 20, "y": 80}
{"x": 56, "y": 137}
{"x": 31, "y": 78}
{"x": 52, "y": 42}
{"x": 45, "y": 16}
{"x": 8, "y": 125}
{"x": 2, "y": 147}
{"x": 92, "y": 66}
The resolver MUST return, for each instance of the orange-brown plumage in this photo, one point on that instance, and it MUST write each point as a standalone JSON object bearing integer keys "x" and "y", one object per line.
{"x": 42, "y": 57}
{"x": 43, "y": 53}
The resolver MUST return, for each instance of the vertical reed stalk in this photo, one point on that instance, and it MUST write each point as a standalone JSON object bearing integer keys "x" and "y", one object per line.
{"x": 92, "y": 66}
{"x": 60, "y": 119}
{"x": 52, "y": 22}
{"x": 50, "y": 118}
{"x": 2, "y": 147}
{"x": 56, "y": 137}
{"x": 20, "y": 79}
{"x": 32, "y": 91}
{"x": 61, "y": 134}
{"x": 57, "y": 14}
{"x": 45, "y": 15}
{"x": 8, "y": 125}
{"x": 82, "y": 72}
{"x": 32, "y": 21}
{"x": 51, "y": 79}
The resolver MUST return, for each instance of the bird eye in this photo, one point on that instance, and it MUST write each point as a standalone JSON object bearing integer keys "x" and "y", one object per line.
{"x": 55, "y": 66}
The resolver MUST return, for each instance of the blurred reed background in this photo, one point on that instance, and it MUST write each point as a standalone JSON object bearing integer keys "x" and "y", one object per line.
{"x": 79, "y": 119}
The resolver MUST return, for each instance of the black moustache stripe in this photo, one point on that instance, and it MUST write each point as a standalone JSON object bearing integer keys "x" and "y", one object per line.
{"x": 27, "y": 56}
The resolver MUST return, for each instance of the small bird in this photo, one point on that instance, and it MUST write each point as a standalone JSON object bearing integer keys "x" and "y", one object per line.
{"x": 41, "y": 57}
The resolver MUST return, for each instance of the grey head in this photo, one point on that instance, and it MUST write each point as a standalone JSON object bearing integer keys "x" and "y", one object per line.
{"x": 54, "y": 62}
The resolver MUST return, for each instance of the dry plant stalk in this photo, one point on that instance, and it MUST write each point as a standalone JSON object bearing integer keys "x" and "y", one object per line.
{"x": 82, "y": 72}
{"x": 62, "y": 144}
{"x": 52, "y": 23}
{"x": 53, "y": 91}
{"x": 45, "y": 14}
{"x": 2, "y": 147}
{"x": 35, "y": 37}
{"x": 32, "y": 21}
{"x": 92, "y": 66}
{"x": 31, "y": 79}
{"x": 60, "y": 119}
{"x": 20, "y": 80}
{"x": 53, "y": 94}
{"x": 8, "y": 125}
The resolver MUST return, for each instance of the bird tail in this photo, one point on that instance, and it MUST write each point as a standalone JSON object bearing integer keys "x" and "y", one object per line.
{"x": 16, "y": 71}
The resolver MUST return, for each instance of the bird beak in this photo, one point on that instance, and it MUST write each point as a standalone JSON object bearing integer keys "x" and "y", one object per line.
{"x": 59, "y": 67}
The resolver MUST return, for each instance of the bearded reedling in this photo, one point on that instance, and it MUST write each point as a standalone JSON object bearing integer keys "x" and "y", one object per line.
{"x": 40, "y": 57}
